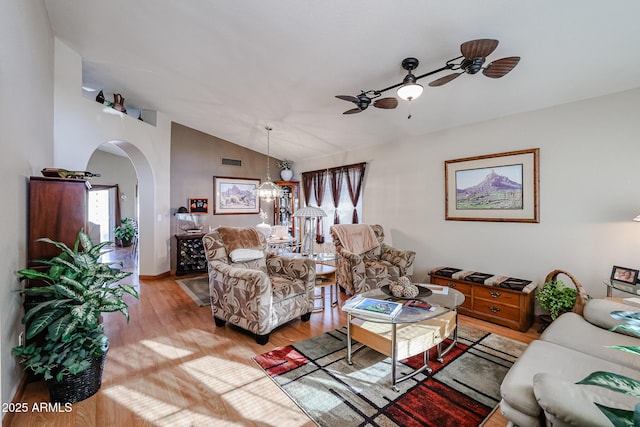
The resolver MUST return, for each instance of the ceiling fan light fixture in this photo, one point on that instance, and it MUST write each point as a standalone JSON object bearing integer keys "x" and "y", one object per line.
{"x": 410, "y": 91}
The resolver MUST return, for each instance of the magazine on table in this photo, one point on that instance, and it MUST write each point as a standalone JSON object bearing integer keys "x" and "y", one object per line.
{"x": 422, "y": 305}
{"x": 383, "y": 309}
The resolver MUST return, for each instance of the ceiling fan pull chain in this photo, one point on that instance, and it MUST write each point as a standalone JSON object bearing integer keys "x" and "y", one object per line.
{"x": 409, "y": 109}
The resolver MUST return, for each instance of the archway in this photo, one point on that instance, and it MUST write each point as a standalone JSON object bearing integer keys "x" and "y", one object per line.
{"x": 141, "y": 193}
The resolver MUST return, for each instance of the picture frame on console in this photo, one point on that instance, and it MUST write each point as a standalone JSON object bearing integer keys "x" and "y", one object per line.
{"x": 199, "y": 206}
{"x": 502, "y": 187}
{"x": 624, "y": 276}
{"x": 233, "y": 196}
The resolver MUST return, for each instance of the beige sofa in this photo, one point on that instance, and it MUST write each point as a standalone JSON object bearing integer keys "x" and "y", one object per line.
{"x": 540, "y": 387}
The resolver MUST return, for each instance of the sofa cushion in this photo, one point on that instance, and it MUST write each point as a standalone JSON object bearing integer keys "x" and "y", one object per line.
{"x": 598, "y": 311}
{"x": 518, "y": 418}
{"x": 242, "y": 255}
{"x": 570, "y": 404}
{"x": 573, "y": 331}
{"x": 543, "y": 356}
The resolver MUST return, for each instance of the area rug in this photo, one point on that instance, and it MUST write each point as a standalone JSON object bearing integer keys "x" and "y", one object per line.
{"x": 197, "y": 288}
{"x": 462, "y": 391}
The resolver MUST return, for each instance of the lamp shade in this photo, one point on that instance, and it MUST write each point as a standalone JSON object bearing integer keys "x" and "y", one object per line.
{"x": 410, "y": 91}
{"x": 309, "y": 212}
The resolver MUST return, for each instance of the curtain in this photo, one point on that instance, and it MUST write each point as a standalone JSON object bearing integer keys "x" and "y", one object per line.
{"x": 307, "y": 178}
{"x": 336, "y": 189}
{"x": 319, "y": 184}
{"x": 355, "y": 174}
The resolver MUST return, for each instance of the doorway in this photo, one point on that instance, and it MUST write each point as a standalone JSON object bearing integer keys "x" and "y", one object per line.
{"x": 102, "y": 214}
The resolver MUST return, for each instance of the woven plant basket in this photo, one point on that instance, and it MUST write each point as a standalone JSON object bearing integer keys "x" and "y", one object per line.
{"x": 581, "y": 296}
{"x": 76, "y": 388}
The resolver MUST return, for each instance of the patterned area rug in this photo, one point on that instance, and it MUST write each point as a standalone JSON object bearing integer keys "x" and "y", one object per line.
{"x": 462, "y": 391}
{"x": 197, "y": 288}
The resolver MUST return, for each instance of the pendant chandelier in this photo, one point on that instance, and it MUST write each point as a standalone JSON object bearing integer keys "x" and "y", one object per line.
{"x": 268, "y": 191}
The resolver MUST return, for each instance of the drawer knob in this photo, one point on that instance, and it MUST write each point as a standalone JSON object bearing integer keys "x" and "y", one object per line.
{"x": 494, "y": 309}
{"x": 494, "y": 294}
{"x": 452, "y": 285}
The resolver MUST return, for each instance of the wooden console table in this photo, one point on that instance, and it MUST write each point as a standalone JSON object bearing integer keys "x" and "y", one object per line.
{"x": 506, "y": 301}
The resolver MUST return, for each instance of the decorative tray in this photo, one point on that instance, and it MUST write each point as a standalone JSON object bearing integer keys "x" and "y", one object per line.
{"x": 422, "y": 292}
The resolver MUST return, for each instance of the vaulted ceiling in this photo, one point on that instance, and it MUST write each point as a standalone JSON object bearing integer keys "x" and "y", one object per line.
{"x": 228, "y": 68}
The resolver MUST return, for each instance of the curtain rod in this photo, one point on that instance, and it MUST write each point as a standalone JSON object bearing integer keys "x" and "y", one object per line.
{"x": 354, "y": 165}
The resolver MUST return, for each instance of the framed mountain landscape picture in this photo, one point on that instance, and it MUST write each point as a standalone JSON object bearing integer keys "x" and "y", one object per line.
{"x": 234, "y": 196}
{"x": 494, "y": 187}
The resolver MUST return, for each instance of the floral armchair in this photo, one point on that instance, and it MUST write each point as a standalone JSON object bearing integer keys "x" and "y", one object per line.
{"x": 370, "y": 265}
{"x": 254, "y": 289}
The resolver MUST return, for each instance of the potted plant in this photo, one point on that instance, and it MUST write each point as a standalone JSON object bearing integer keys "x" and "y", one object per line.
{"x": 285, "y": 169}
{"x": 125, "y": 232}
{"x": 556, "y": 297}
{"x": 65, "y": 340}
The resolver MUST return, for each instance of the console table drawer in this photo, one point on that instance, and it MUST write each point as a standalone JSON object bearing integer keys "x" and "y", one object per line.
{"x": 459, "y": 286}
{"x": 492, "y": 308}
{"x": 498, "y": 295}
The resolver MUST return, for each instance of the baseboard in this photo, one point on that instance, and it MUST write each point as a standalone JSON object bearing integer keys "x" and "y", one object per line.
{"x": 156, "y": 277}
{"x": 7, "y": 419}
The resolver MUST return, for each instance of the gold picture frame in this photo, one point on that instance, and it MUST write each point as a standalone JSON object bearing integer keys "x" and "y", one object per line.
{"x": 502, "y": 187}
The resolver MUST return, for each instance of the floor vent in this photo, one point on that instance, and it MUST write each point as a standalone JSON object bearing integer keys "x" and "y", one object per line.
{"x": 231, "y": 162}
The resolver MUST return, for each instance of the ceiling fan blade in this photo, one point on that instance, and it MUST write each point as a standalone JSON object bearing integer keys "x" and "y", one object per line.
{"x": 480, "y": 47}
{"x": 500, "y": 67}
{"x": 347, "y": 98}
{"x": 387, "y": 103}
{"x": 352, "y": 111}
{"x": 445, "y": 79}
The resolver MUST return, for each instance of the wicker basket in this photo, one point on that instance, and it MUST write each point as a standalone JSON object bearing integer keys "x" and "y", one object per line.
{"x": 581, "y": 296}
{"x": 76, "y": 388}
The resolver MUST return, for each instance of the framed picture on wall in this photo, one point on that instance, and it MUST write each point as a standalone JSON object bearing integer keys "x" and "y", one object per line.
{"x": 234, "y": 196}
{"x": 494, "y": 187}
{"x": 199, "y": 206}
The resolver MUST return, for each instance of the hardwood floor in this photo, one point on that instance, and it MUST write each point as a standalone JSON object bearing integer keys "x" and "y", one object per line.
{"x": 171, "y": 366}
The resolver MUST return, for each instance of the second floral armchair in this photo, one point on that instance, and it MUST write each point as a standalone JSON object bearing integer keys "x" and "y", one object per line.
{"x": 366, "y": 262}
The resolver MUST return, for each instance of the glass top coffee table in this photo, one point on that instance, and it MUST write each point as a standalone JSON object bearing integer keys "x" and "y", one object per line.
{"x": 419, "y": 326}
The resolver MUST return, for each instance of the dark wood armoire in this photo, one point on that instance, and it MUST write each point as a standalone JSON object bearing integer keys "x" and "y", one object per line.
{"x": 58, "y": 209}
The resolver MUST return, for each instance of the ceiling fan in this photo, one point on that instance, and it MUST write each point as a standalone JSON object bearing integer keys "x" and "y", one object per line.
{"x": 363, "y": 100}
{"x": 472, "y": 60}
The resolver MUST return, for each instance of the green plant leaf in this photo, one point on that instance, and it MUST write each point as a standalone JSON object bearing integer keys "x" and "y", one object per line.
{"x": 46, "y": 305}
{"x": 129, "y": 289}
{"x": 35, "y": 275}
{"x": 615, "y": 382}
{"x": 68, "y": 292}
{"x": 41, "y": 322}
{"x": 63, "y": 248}
{"x": 57, "y": 328}
{"x": 44, "y": 291}
{"x": 85, "y": 241}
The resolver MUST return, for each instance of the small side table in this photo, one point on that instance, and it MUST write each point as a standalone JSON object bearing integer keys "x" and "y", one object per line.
{"x": 326, "y": 278}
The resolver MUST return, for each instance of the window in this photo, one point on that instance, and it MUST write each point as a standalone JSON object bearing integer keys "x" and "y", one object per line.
{"x": 320, "y": 187}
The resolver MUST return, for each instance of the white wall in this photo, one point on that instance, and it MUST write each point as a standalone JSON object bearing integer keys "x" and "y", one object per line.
{"x": 589, "y": 192}
{"x": 26, "y": 138}
{"x": 82, "y": 125}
